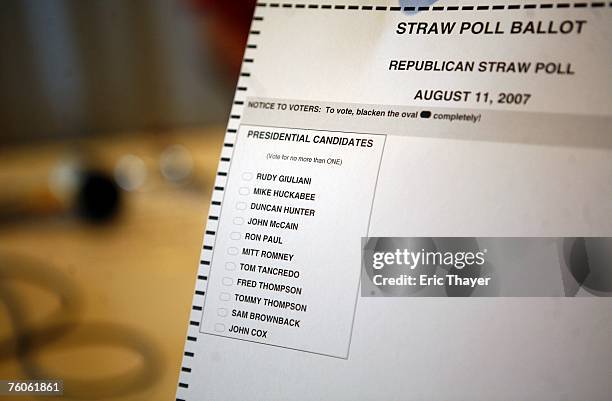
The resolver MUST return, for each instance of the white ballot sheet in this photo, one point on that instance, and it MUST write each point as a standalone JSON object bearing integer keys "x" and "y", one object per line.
{"x": 478, "y": 132}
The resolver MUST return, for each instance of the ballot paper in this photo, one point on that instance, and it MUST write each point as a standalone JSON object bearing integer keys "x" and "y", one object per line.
{"x": 367, "y": 141}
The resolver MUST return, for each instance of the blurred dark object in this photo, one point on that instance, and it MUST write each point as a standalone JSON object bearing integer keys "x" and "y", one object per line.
{"x": 98, "y": 196}
{"x": 227, "y": 29}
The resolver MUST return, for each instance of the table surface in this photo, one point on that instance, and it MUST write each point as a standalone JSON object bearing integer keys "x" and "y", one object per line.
{"x": 127, "y": 285}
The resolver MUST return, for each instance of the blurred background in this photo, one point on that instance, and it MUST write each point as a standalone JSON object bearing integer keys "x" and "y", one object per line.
{"x": 112, "y": 118}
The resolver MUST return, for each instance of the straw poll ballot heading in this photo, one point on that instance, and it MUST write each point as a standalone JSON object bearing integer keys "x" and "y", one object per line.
{"x": 540, "y": 27}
